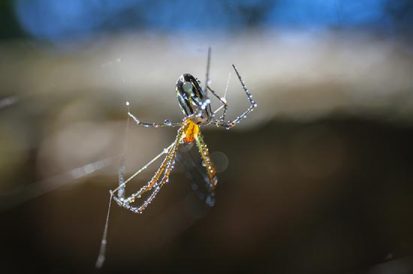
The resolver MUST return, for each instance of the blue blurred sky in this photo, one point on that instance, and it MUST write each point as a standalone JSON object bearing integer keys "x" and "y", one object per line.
{"x": 55, "y": 20}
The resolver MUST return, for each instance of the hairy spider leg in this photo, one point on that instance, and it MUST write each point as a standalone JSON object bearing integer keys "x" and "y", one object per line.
{"x": 192, "y": 133}
{"x": 243, "y": 115}
{"x": 206, "y": 161}
{"x": 210, "y": 168}
{"x": 121, "y": 187}
{"x": 160, "y": 177}
{"x": 121, "y": 173}
{"x": 166, "y": 123}
{"x": 197, "y": 175}
{"x": 207, "y": 87}
{"x": 207, "y": 69}
{"x": 165, "y": 168}
{"x": 223, "y": 100}
{"x": 122, "y": 184}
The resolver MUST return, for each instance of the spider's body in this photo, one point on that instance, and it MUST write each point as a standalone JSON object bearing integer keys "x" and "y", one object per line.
{"x": 196, "y": 106}
{"x": 194, "y": 101}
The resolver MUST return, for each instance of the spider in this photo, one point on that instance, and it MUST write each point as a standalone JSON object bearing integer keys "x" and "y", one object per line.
{"x": 196, "y": 107}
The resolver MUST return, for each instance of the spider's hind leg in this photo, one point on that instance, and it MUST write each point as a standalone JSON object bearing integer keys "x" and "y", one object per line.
{"x": 160, "y": 178}
{"x": 211, "y": 173}
{"x": 196, "y": 173}
{"x": 165, "y": 169}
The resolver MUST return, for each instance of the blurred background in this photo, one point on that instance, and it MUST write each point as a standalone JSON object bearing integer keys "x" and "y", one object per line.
{"x": 317, "y": 180}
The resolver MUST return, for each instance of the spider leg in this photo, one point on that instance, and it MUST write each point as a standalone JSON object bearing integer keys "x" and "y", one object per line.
{"x": 154, "y": 184}
{"x": 197, "y": 175}
{"x": 166, "y": 123}
{"x": 207, "y": 69}
{"x": 207, "y": 87}
{"x": 243, "y": 115}
{"x": 223, "y": 100}
{"x": 165, "y": 169}
{"x": 126, "y": 203}
{"x": 121, "y": 195}
{"x": 209, "y": 166}
{"x": 120, "y": 190}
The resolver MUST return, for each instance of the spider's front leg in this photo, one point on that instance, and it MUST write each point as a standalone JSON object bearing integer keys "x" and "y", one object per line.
{"x": 243, "y": 115}
{"x": 121, "y": 173}
{"x": 165, "y": 123}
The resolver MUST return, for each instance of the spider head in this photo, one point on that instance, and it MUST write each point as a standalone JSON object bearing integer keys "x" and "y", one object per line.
{"x": 192, "y": 99}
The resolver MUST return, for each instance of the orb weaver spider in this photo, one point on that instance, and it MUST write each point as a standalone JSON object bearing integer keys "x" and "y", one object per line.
{"x": 196, "y": 106}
